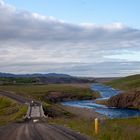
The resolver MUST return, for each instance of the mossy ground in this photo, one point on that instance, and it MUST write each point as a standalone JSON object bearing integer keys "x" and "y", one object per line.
{"x": 11, "y": 111}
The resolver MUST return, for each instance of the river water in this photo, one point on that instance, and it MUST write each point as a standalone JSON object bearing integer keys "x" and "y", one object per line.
{"x": 105, "y": 92}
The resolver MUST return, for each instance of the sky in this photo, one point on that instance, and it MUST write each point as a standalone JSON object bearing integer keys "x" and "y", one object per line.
{"x": 99, "y": 38}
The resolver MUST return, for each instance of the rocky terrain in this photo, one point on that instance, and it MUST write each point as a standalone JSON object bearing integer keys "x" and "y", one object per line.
{"x": 126, "y": 100}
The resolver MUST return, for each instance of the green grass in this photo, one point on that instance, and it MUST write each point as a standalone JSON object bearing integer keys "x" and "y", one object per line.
{"x": 126, "y": 83}
{"x": 10, "y": 110}
{"x": 116, "y": 129}
{"x": 120, "y": 129}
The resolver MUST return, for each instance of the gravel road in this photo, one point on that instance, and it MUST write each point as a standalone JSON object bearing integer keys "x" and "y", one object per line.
{"x": 38, "y": 131}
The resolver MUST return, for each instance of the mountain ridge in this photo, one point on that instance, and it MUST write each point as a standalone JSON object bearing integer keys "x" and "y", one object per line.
{"x": 34, "y": 75}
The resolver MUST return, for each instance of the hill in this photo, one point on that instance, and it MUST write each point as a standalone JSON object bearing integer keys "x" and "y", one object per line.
{"x": 33, "y": 75}
{"x": 50, "y": 78}
{"x": 127, "y": 83}
{"x": 130, "y": 98}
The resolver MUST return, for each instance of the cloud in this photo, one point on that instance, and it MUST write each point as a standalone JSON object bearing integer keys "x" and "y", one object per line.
{"x": 30, "y": 42}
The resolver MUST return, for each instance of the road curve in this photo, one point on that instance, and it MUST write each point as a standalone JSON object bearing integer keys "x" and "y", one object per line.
{"x": 16, "y": 97}
{"x": 38, "y": 131}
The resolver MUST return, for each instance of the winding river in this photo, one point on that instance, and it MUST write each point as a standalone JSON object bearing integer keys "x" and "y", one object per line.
{"x": 105, "y": 92}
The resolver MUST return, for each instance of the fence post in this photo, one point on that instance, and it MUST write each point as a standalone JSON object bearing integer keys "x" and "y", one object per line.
{"x": 96, "y": 126}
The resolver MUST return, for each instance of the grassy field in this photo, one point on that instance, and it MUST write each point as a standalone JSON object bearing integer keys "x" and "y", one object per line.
{"x": 127, "y": 83}
{"x": 10, "y": 111}
{"x": 120, "y": 129}
{"x": 116, "y": 129}
{"x": 41, "y": 91}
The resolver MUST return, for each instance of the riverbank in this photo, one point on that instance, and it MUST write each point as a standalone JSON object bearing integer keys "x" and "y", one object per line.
{"x": 84, "y": 113}
{"x": 129, "y": 100}
{"x": 80, "y": 120}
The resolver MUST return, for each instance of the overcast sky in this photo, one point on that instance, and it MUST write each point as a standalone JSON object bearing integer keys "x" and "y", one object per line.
{"x": 31, "y": 43}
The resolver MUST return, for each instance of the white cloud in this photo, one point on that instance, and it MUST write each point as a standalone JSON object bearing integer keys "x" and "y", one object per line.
{"x": 30, "y": 42}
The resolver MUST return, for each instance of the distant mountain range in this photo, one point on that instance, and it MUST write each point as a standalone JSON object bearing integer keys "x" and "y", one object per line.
{"x": 37, "y": 78}
{"x": 33, "y": 75}
{"x": 49, "y": 78}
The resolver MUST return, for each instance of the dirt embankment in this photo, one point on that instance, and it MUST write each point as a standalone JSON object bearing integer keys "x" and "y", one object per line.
{"x": 56, "y": 96}
{"x": 126, "y": 100}
{"x": 54, "y": 109}
{"x": 83, "y": 113}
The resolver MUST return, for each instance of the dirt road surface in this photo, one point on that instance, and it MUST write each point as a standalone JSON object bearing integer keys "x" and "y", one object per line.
{"x": 38, "y": 131}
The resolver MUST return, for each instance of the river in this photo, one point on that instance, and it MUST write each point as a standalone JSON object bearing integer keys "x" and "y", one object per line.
{"x": 106, "y": 92}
